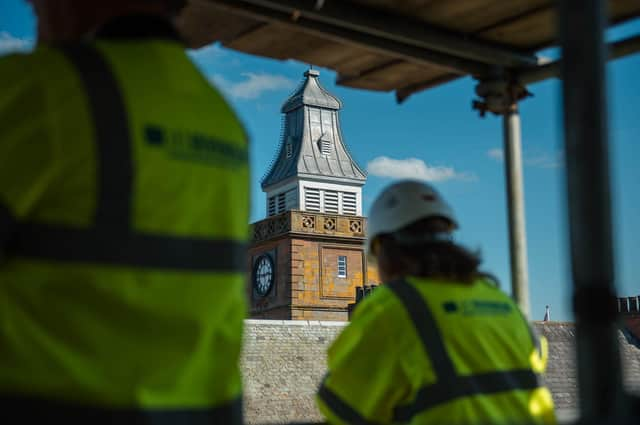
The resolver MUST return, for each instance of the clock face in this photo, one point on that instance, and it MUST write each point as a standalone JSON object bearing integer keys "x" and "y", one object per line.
{"x": 263, "y": 275}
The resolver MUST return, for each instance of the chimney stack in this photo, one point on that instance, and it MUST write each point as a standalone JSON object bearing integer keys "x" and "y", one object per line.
{"x": 547, "y": 314}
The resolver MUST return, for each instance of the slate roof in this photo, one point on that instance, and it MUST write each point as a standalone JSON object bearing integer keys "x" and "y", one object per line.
{"x": 305, "y": 158}
{"x": 284, "y": 361}
{"x": 561, "y": 376}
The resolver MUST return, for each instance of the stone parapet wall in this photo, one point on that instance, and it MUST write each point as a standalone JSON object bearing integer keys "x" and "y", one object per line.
{"x": 309, "y": 223}
{"x": 283, "y": 362}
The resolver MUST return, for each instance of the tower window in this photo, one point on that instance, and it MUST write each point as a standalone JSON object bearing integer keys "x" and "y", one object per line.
{"x": 342, "y": 266}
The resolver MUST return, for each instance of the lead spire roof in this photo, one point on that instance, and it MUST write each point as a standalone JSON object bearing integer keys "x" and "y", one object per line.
{"x": 311, "y": 93}
{"x": 311, "y": 144}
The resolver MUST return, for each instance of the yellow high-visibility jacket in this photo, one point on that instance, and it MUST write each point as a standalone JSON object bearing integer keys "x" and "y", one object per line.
{"x": 423, "y": 351}
{"x": 124, "y": 202}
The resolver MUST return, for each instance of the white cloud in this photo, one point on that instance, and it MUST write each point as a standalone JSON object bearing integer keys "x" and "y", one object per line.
{"x": 414, "y": 168}
{"x": 9, "y": 43}
{"x": 545, "y": 160}
{"x": 496, "y": 154}
{"x": 253, "y": 84}
{"x": 536, "y": 159}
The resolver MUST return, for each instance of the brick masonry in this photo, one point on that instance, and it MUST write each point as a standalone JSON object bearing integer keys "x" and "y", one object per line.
{"x": 305, "y": 248}
{"x": 283, "y": 362}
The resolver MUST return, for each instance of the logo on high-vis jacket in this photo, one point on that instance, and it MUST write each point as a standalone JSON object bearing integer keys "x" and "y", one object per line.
{"x": 478, "y": 307}
{"x": 197, "y": 147}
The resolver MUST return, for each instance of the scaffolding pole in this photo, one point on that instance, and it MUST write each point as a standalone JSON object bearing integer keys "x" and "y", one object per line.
{"x": 500, "y": 96}
{"x": 515, "y": 204}
{"x": 582, "y": 24}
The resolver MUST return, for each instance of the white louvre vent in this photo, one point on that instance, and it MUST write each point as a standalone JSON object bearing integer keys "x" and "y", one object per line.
{"x": 311, "y": 199}
{"x": 281, "y": 202}
{"x": 325, "y": 146}
{"x": 349, "y": 203}
{"x": 272, "y": 206}
{"x": 331, "y": 202}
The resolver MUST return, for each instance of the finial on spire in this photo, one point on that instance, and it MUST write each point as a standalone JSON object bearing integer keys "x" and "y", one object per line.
{"x": 311, "y": 93}
{"x": 311, "y": 72}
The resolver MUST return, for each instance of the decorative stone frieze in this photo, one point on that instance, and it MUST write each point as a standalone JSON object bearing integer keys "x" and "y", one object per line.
{"x": 301, "y": 222}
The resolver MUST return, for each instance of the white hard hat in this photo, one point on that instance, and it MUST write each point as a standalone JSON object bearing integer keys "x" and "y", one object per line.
{"x": 404, "y": 203}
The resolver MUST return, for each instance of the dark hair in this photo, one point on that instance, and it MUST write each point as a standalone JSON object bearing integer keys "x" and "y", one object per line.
{"x": 427, "y": 256}
{"x": 445, "y": 260}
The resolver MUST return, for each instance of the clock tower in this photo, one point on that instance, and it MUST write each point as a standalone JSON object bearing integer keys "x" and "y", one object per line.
{"x": 307, "y": 257}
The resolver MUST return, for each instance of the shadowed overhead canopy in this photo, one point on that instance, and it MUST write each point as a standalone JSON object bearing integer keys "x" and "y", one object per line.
{"x": 394, "y": 45}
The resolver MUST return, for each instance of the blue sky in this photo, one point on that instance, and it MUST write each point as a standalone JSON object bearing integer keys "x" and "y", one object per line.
{"x": 439, "y": 134}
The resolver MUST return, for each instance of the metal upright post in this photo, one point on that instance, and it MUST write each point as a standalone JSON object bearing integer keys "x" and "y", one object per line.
{"x": 500, "y": 96}
{"x": 582, "y": 25}
{"x": 515, "y": 204}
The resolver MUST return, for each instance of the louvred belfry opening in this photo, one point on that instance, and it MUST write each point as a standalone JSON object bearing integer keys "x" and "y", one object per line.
{"x": 313, "y": 159}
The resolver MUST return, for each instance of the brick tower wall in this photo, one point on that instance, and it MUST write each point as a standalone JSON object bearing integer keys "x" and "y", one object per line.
{"x": 317, "y": 293}
{"x": 305, "y": 248}
{"x": 276, "y": 305}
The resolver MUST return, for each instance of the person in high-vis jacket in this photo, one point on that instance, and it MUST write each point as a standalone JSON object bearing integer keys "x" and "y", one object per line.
{"x": 124, "y": 200}
{"x": 438, "y": 342}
